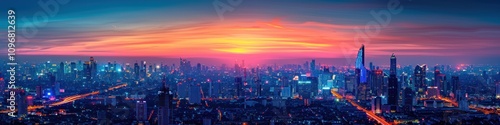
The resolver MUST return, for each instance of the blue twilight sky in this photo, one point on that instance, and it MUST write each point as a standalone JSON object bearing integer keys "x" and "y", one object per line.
{"x": 424, "y": 31}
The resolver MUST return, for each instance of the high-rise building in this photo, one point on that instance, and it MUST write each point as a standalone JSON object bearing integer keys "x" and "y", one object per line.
{"x": 361, "y": 91}
{"x": 439, "y": 81}
{"x": 463, "y": 104}
{"x": 371, "y": 66}
{"x": 360, "y": 58}
{"x": 164, "y": 105}
{"x": 183, "y": 89}
{"x": 360, "y": 64}
{"x": 377, "y": 105}
{"x": 433, "y": 89}
{"x": 408, "y": 99}
{"x": 313, "y": 65}
{"x": 455, "y": 83}
{"x": 393, "y": 65}
{"x": 60, "y": 71}
{"x": 350, "y": 83}
{"x": 314, "y": 85}
{"x": 216, "y": 88}
{"x": 377, "y": 80}
{"x": 137, "y": 71}
{"x": 419, "y": 79}
{"x": 87, "y": 71}
{"x": 393, "y": 90}
{"x": 323, "y": 78}
{"x": 403, "y": 78}
{"x": 195, "y": 94}
{"x": 73, "y": 71}
{"x": 22, "y": 104}
{"x": 93, "y": 68}
{"x": 238, "y": 83}
{"x": 258, "y": 83}
{"x": 52, "y": 80}
{"x": 141, "y": 110}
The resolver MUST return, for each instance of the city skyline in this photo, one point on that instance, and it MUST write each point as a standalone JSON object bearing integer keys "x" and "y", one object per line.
{"x": 221, "y": 62}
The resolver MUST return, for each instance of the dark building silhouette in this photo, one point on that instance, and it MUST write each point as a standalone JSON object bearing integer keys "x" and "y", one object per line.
{"x": 164, "y": 104}
{"x": 408, "y": 96}
{"x": 455, "y": 84}
{"x": 393, "y": 65}
{"x": 393, "y": 90}
{"x": 419, "y": 79}
{"x": 238, "y": 83}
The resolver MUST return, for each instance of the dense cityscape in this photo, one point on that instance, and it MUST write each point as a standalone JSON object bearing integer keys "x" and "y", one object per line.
{"x": 250, "y": 62}
{"x": 93, "y": 92}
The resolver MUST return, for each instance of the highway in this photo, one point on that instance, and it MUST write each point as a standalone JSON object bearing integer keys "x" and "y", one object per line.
{"x": 368, "y": 113}
{"x": 70, "y": 98}
{"x": 485, "y": 111}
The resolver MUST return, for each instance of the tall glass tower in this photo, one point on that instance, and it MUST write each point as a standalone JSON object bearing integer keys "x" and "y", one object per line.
{"x": 360, "y": 64}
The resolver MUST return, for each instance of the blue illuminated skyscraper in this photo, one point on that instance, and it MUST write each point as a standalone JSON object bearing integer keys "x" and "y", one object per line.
{"x": 360, "y": 64}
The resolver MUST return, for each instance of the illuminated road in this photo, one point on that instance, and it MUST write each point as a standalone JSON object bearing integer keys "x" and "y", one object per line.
{"x": 368, "y": 113}
{"x": 485, "y": 111}
{"x": 70, "y": 98}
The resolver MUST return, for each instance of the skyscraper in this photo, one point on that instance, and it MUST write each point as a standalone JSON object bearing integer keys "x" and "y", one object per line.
{"x": 360, "y": 64}
{"x": 22, "y": 104}
{"x": 313, "y": 65}
{"x": 377, "y": 80}
{"x": 136, "y": 71}
{"x": 314, "y": 85}
{"x": 393, "y": 86}
{"x": 462, "y": 100}
{"x": 361, "y": 74}
{"x": 87, "y": 71}
{"x": 195, "y": 94}
{"x": 164, "y": 105}
{"x": 393, "y": 90}
{"x": 377, "y": 105}
{"x": 143, "y": 69}
{"x": 238, "y": 83}
{"x": 455, "y": 84}
{"x": 73, "y": 70}
{"x": 360, "y": 59}
{"x": 408, "y": 97}
{"x": 93, "y": 68}
{"x": 432, "y": 88}
{"x": 419, "y": 79}
{"x": 393, "y": 65}
{"x": 60, "y": 71}
{"x": 141, "y": 110}
{"x": 439, "y": 80}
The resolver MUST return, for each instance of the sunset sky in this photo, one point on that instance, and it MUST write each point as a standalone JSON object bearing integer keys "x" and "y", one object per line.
{"x": 451, "y": 30}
